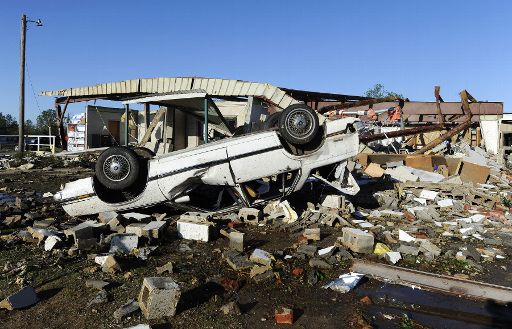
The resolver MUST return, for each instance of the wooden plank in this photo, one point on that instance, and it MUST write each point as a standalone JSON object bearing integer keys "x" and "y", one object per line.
{"x": 471, "y": 172}
{"x": 158, "y": 116}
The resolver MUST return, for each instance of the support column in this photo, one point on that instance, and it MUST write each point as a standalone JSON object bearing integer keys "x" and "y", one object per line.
{"x": 205, "y": 126}
{"x": 126, "y": 124}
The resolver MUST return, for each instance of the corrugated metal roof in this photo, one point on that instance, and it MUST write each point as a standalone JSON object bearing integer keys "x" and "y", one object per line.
{"x": 214, "y": 87}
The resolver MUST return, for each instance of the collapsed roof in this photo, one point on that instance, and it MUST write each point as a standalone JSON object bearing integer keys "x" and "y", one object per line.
{"x": 218, "y": 88}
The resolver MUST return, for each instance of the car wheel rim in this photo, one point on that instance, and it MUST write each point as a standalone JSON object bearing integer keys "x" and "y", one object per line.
{"x": 299, "y": 124}
{"x": 116, "y": 168}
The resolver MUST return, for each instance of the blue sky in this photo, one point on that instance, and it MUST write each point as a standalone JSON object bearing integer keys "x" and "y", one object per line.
{"x": 332, "y": 46}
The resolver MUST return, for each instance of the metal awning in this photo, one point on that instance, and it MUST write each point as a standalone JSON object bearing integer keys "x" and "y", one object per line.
{"x": 195, "y": 102}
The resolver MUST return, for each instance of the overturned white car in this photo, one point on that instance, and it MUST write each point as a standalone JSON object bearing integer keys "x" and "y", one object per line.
{"x": 223, "y": 175}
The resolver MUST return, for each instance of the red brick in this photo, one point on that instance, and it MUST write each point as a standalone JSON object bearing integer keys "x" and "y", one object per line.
{"x": 284, "y": 315}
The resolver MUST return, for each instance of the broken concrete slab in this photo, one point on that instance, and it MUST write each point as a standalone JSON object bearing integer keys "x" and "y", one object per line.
{"x": 408, "y": 250}
{"x": 167, "y": 267}
{"x": 429, "y": 195}
{"x": 319, "y": 263}
{"x": 159, "y": 297}
{"x": 123, "y": 243}
{"x": 100, "y": 298}
{"x": 392, "y": 257}
{"x": 97, "y": 284}
{"x": 333, "y": 201}
{"x": 357, "y": 240}
{"x": 231, "y": 308}
{"x": 108, "y": 263}
{"x": 136, "y": 216}
{"x": 127, "y": 308}
{"x": 402, "y": 174}
{"x": 259, "y": 269}
{"x": 24, "y": 297}
{"x": 426, "y": 246}
{"x": 404, "y": 236}
{"x": 237, "y": 261}
{"x": 308, "y": 249}
{"x": 51, "y": 242}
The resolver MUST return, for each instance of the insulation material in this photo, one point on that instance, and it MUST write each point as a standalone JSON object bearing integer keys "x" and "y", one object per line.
{"x": 490, "y": 134}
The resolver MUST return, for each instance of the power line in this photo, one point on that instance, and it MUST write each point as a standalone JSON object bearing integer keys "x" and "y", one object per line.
{"x": 32, "y": 87}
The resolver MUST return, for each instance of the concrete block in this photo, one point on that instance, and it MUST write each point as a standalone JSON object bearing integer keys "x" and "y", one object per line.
{"x": 262, "y": 257}
{"x": 22, "y": 298}
{"x": 107, "y": 216}
{"x": 123, "y": 243}
{"x": 312, "y": 234}
{"x": 249, "y": 215}
{"x": 159, "y": 297}
{"x": 154, "y": 229}
{"x": 135, "y": 228}
{"x": 357, "y": 240}
{"x": 87, "y": 231}
{"x": 236, "y": 241}
{"x": 194, "y": 229}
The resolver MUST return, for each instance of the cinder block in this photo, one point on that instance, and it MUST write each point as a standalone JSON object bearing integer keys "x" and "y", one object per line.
{"x": 194, "y": 229}
{"x": 357, "y": 240}
{"x": 159, "y": 297}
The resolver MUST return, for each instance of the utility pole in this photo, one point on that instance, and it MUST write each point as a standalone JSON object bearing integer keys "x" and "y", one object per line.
{"x": 21, "y": 117}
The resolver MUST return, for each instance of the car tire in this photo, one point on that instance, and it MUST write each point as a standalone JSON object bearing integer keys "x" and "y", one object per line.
{"x": 272, "y": 121}
{"x": 117, "y": 168}
{"x": 298, "y": 124}
{"x": 144, "y": 152}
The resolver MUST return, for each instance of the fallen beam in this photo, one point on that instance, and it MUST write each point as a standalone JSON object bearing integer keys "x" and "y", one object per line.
{"x": 443, "y": 283}
{"x": 158, "y": 116}
{"x": 400, "y": 133}
{"x": 360, "y": 103}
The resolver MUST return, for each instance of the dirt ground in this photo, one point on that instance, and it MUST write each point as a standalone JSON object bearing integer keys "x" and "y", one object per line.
{"x": 207, "y": 281}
